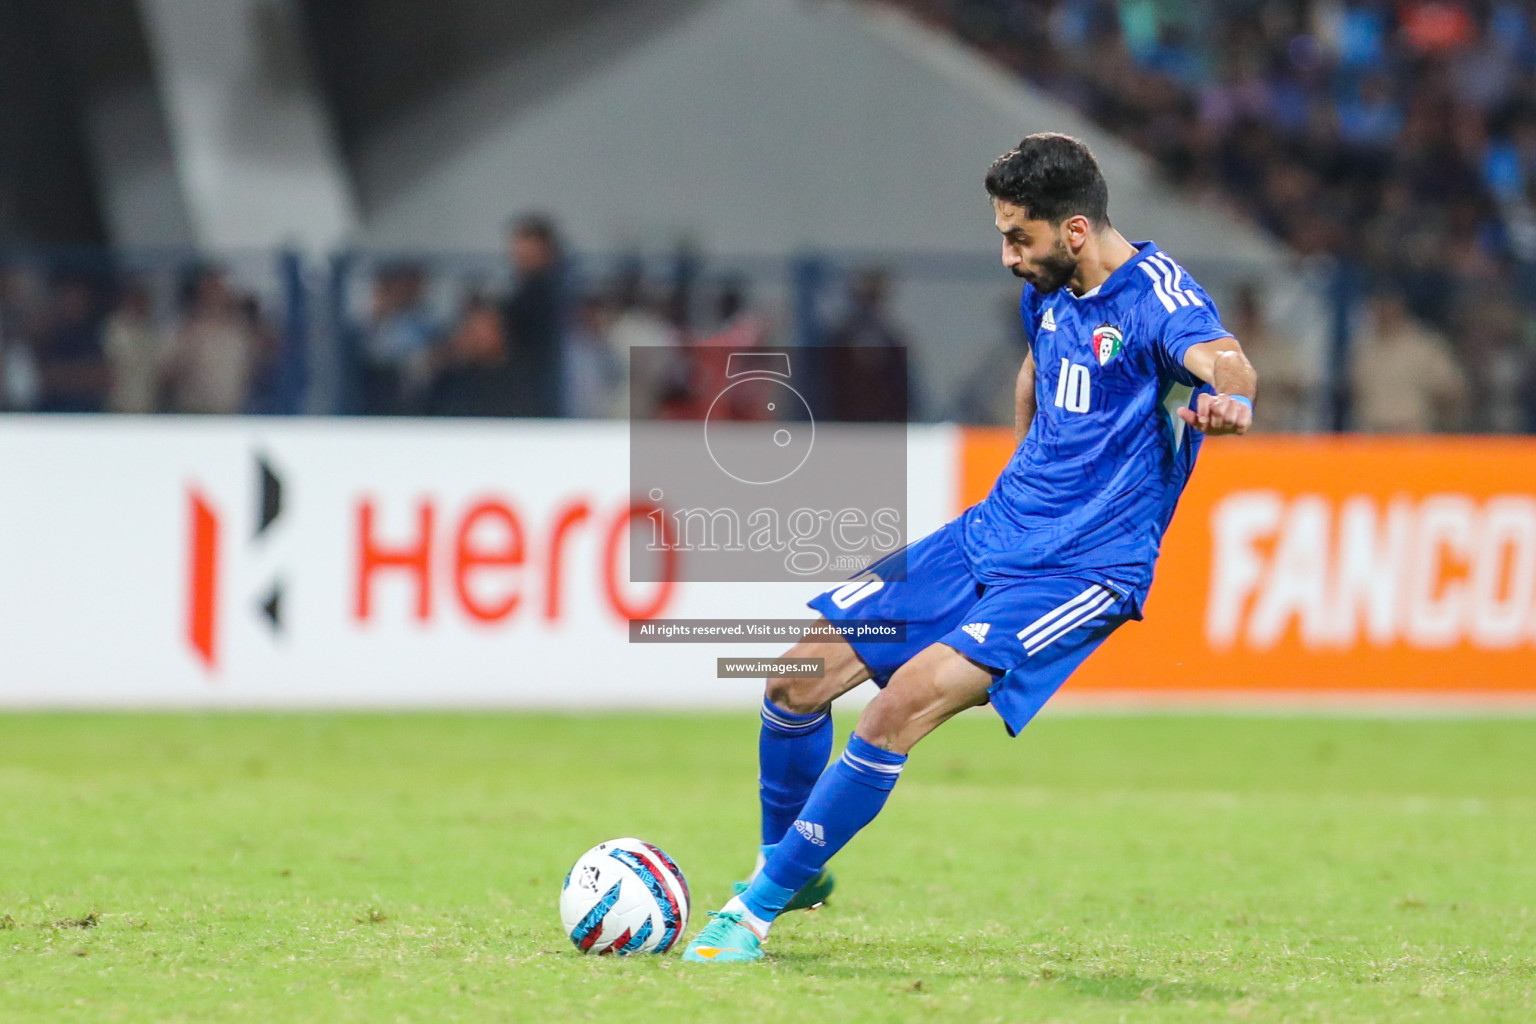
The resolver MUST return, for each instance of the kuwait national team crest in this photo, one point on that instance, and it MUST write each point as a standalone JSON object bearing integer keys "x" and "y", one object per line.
{"x": 1107, "y": 341}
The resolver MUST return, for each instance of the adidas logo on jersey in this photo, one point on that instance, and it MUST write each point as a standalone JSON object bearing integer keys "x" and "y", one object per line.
{"x": 978, "y": 631}
{"x": 812, "y": 832}
{"x": 1048, "y": 322}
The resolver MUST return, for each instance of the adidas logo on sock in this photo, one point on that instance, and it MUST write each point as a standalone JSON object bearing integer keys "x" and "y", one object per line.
{"x": 978, "y": 631}
{"x": 812, "y": 832}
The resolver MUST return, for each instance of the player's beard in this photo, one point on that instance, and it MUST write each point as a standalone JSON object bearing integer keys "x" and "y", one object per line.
{"x": 1052, "y": 271}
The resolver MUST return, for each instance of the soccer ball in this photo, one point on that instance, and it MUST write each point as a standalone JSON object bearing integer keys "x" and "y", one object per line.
{"x": 624, "y": 896}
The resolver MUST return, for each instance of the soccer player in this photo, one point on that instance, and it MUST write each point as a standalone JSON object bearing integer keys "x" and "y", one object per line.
{"x": 1128, "y": 367}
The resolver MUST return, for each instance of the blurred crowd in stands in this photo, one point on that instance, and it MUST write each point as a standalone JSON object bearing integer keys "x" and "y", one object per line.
{"x": 76, "y": 338}
{"x": 558, "y": 345}
{"x": 80, "y": 335}
{"x": 491, "y": 358}
{"x": 1394, "y": 142}
{"x": 423, "y": 339}
{"x": 1397, "y": 136}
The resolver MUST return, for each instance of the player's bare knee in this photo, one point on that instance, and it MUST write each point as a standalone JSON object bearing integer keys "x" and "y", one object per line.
{"x": 887, "y": 722}
{"x": 797, "y": 694}
{"x": 842, "y": 670}
{"x": 890, "y": 720}
{"x": 923, "y": 694}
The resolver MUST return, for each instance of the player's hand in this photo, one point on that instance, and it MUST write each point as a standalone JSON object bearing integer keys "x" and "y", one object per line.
{"x": 1218, "y": 414}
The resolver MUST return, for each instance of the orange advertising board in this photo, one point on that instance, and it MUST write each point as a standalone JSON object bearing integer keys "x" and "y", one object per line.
{"x": 1331, "y": 565}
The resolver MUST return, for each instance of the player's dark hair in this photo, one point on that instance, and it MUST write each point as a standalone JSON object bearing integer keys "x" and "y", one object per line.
{"x": 1051, "y": 177}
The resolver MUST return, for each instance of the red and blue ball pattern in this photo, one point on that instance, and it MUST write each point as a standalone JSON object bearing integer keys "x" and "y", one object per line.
{"x": 624, "y": 896}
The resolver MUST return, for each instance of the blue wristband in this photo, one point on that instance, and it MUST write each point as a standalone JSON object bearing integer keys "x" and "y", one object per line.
{"x": 1243, "y": 399}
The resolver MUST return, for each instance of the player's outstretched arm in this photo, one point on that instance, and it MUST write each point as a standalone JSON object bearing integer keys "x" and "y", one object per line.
{"x": 1222, "y": 365}
{"x": 1024, "y": 399}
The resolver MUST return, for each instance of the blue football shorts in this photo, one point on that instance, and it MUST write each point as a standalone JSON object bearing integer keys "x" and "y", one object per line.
{"x": 1032, "y": 634}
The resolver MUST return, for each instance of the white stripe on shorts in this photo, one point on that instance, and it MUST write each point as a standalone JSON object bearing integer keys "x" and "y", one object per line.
{"x": 1044, "y": 622}
{"x": 1086, "y": 614}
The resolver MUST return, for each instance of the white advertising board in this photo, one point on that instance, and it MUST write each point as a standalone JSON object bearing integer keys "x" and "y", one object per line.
{"x": 354, "y": 563}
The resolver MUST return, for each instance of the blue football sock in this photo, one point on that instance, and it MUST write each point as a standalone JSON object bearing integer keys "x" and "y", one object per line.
{"x": 847, "y": 797}
{"x": 792, "y": 750}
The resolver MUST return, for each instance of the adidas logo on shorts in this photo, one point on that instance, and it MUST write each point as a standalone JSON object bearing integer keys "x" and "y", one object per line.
{"x": 978, "y": 631}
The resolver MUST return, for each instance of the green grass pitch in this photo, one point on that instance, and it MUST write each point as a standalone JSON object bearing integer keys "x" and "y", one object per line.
{"x": 1098, "y": 869}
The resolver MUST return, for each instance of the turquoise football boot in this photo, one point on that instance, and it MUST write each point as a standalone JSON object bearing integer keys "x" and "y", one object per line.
{"x": 725, "y": 940}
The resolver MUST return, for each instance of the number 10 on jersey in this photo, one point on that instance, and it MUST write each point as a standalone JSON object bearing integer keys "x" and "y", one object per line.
{"x": 1072, "y": 386}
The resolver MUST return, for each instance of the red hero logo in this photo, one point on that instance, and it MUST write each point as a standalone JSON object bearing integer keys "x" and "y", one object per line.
{"x": 491, "y": 559}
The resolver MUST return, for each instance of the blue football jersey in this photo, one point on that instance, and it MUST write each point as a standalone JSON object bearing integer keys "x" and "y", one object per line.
{"x": 1093, "y": 486}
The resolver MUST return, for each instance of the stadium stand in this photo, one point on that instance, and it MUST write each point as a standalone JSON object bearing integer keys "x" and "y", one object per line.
{"x": 1398, "y": 137}
{"x": 1392, "y": 145}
